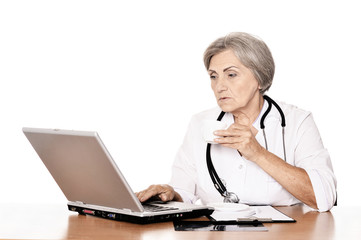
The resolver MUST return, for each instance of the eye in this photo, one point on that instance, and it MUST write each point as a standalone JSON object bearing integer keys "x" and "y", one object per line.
{"x": 232, "y": 75}
{"x": 212, "y": 76}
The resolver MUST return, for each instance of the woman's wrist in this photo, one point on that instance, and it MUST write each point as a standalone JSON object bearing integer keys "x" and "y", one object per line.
{"x": 260, "y": 157}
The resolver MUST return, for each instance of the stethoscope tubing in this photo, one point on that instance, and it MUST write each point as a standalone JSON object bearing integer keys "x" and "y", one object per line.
{"x": 218, "y": 184}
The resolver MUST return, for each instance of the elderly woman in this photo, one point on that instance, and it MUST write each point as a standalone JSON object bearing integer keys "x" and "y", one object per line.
{"x": 258, "y": 160}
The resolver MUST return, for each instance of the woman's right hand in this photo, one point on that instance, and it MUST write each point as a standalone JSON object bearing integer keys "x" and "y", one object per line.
{"x": 161, "y": 192}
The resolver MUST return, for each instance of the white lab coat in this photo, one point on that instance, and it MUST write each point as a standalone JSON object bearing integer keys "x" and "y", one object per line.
{"x": 304, "y": 149}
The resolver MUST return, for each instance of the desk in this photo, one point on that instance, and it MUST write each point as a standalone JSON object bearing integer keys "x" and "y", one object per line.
{"x": 56, "y": 222}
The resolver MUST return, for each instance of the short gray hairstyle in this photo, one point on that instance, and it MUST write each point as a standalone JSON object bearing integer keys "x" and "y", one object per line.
{"x": 251, "y": 51}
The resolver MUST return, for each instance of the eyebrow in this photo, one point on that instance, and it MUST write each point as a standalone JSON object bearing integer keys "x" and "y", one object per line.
{"x": 224, "y": 70}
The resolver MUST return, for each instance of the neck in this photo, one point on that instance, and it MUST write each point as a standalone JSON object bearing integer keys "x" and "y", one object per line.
{"x": 252, "y": 109}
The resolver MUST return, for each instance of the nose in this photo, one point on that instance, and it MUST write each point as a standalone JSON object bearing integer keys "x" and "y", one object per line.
{"x": 220, "y": 85}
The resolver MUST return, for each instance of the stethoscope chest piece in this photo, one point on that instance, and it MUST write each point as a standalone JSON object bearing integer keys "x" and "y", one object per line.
{"x": 231, "y": 198}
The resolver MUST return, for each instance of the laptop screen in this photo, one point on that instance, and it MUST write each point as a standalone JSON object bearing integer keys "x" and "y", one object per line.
{"x": 83, "y": 168}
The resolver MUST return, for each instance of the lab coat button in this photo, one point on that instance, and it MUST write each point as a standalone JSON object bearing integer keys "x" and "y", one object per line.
{"x": 240, "y": 166}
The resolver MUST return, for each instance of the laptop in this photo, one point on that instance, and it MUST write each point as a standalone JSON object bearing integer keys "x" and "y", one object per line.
{"x": 92, "y": 182}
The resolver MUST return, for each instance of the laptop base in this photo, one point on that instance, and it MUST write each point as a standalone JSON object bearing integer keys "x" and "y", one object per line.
{"x": 139, "y": 219}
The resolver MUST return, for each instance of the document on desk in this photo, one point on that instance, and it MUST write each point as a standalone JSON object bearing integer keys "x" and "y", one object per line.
{"x": 255, "y": 213}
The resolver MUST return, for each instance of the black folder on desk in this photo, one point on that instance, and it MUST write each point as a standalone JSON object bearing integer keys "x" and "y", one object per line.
{"x": 235, "y": 221}
{"x": 263, "y": 214}
{"x": 224, "y": 226}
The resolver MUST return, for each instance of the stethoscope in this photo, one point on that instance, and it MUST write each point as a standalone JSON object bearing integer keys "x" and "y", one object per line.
{"x": 230, "y": 197}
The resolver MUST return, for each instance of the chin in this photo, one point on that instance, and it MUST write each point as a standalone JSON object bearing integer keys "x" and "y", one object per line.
{"x": 227, "y": 108}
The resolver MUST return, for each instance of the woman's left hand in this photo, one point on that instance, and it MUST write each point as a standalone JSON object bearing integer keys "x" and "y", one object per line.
{"x": 241, "y": 136}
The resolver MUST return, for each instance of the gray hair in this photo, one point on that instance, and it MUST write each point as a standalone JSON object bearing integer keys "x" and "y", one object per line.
{"x": 251, "y": 51}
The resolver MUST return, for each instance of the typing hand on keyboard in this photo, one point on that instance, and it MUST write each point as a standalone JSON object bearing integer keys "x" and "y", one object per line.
{"x": 161, "y": 192}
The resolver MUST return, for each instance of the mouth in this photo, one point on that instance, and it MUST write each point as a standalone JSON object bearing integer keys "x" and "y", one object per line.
{"x": 223, "y": 99}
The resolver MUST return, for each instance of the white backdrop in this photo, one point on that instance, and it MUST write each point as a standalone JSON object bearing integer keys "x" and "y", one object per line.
{"x": 133, "y": 72}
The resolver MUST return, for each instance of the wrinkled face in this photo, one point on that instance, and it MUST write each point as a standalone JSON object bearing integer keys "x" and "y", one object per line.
{"x": 234, "y": 85}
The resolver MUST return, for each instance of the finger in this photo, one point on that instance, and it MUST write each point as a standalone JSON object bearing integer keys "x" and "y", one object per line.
{"x": 231, "y": 132}
{"x": 141, "y": 197}
{"x": 233, "y": 127}
{"x": 163, "y": 192}
{"x": 147, "y": 194}
{"x": 165, "y": 197}
{"x": 224, "y": 133}
{"x": 167, "y": 193}
{"x": 227, "y": 140}
{"x": 240, "y": 125}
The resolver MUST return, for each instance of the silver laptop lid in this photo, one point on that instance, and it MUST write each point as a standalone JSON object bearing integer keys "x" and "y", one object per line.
{"x": 83, "y": 168}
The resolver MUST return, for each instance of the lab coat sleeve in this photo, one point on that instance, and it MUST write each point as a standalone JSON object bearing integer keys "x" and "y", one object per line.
{"x": 311, "y": 155}
{"x": 183, "y": 178}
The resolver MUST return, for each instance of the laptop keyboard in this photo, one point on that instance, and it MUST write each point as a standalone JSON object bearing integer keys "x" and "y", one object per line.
{"x": 157, "y": 208}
